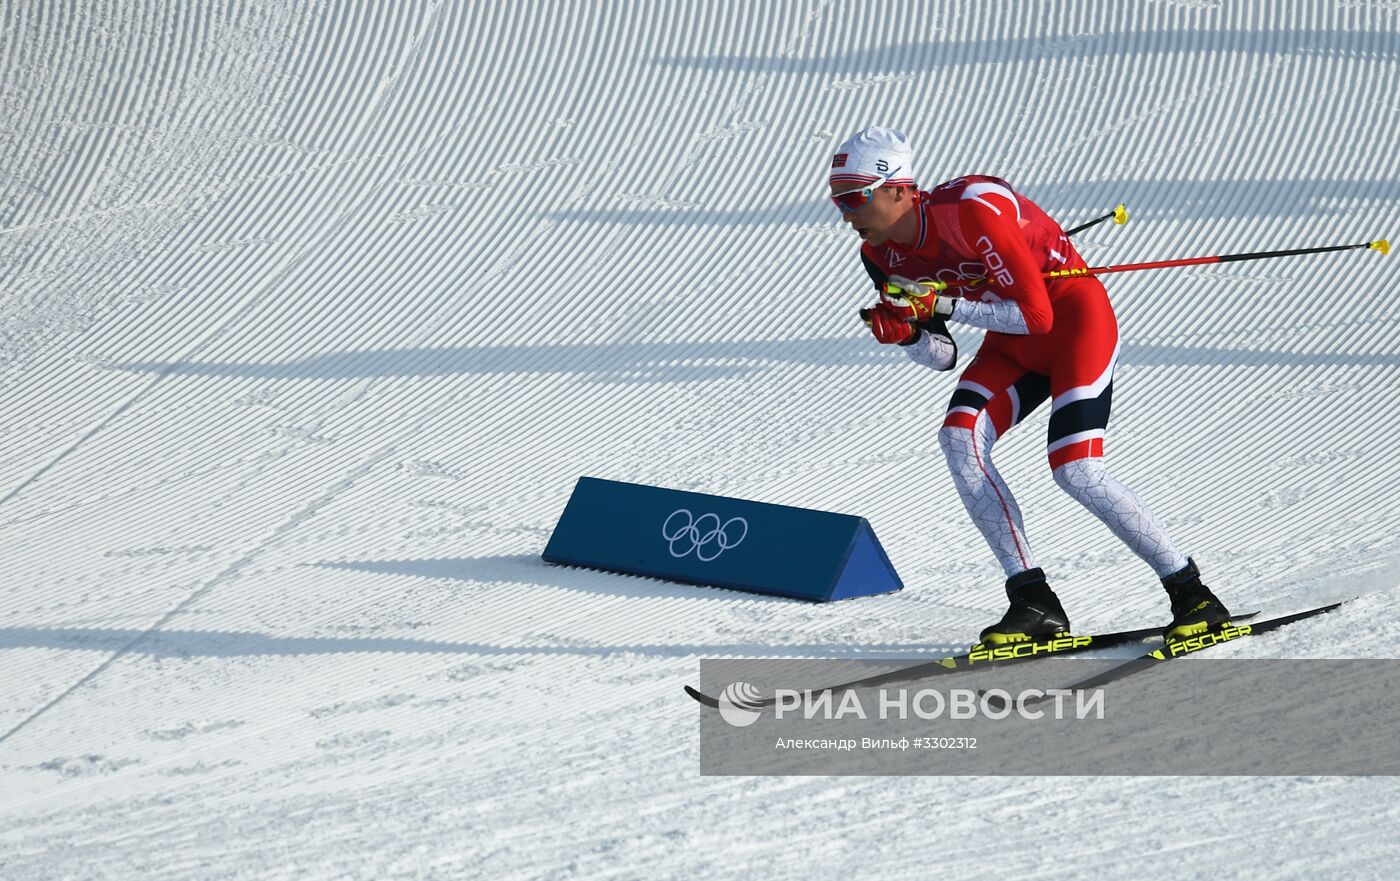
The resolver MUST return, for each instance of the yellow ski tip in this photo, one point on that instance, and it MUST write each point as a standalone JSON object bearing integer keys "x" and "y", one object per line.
{"x": 1383, "y": 246}
{"x": 1120, "y": 215}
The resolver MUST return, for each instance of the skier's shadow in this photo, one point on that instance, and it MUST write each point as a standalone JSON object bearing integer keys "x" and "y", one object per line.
{"x": 511, "y": 572}
{"x": 669, "y": 363}
{"x": 189, "y": 644}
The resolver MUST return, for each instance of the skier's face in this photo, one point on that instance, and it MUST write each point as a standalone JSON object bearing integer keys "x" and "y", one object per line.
{"x": 875, "y": 220}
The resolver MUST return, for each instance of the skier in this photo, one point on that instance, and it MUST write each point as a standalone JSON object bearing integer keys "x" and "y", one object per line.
{"x": 1056, "y": 341}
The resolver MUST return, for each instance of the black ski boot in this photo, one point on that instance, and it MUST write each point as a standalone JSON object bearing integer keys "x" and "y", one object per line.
{"x": 1194, "y": 608}
{"x": 1035, "y": 612}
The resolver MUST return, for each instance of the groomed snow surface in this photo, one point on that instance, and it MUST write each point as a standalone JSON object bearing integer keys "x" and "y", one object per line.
{"x": 314, "y": 312}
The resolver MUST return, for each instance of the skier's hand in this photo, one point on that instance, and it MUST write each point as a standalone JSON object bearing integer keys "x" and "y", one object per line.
{"x": 916, "y": 301}
{"x": 889, "y": 324}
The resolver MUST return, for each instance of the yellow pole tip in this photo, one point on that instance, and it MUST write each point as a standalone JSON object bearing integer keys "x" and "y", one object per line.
{"x": 1120, "y": 215}
{"x": 1383, "y": 246}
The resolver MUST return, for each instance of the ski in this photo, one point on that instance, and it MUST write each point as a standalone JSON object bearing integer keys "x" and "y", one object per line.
{"x": 979, "y": 656}
{"x": 1176, "y": 648}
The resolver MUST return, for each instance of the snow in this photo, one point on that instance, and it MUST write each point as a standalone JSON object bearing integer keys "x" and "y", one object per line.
{"x": 314, "y": 312}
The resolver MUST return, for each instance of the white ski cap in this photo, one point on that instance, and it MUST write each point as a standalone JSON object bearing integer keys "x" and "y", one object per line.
{"x": 872, "y": 153}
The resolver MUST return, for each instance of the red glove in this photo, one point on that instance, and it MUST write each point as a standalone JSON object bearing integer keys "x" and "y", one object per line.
{"x": 889, "y": 323}
{"x": 915, "y": 301}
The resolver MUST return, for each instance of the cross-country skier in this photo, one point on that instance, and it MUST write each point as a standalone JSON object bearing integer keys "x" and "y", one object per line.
{"x": 1056, "y": 341}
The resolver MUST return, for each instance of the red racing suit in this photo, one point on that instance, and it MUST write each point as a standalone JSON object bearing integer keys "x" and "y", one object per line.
{"x": 1057, "y": 340}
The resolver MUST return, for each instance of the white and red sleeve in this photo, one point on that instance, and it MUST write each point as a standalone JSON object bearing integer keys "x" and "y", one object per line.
{"x": 989, "y": 218}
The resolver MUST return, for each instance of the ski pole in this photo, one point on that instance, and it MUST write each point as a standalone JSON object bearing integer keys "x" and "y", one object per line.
{"x": 1382, "y": 245}
{"x": 1118, "y": 215}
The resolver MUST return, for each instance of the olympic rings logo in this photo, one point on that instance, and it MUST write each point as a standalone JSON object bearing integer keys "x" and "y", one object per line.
{"x": 705, "y": 535}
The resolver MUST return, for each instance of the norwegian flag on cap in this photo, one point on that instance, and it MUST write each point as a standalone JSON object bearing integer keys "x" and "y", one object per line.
{"x": 873, "y": 153}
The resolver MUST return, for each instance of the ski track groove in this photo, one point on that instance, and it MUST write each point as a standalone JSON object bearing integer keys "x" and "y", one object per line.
{"x": 315, "y": 312}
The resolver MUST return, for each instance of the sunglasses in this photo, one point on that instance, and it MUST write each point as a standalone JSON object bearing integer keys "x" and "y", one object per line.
{"x": 854, "y": 200}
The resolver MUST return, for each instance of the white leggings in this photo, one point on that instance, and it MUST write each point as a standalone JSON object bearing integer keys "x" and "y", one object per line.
{"x": 993, "y": 509}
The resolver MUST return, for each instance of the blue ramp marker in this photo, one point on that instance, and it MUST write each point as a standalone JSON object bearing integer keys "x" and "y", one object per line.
{"x": 720, "y": 541}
